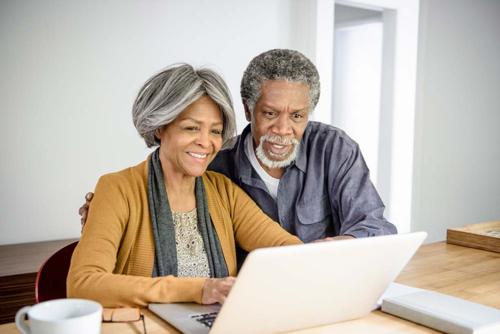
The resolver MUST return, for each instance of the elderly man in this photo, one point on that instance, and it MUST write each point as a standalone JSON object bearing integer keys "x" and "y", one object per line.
{"x": 308, "y": 176}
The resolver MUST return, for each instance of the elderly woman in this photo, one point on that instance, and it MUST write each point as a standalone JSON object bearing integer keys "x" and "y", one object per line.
{"x": 165, "y": 230}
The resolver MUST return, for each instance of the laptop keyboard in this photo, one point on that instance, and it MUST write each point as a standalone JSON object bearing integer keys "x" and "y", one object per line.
{"x": 206, "y": 319}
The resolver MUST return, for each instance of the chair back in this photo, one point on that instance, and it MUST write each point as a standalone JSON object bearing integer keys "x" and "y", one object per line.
{"x": 51, "y": 278}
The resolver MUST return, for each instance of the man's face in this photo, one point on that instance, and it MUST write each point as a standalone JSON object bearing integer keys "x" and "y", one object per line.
{"x": 278, "y": 121}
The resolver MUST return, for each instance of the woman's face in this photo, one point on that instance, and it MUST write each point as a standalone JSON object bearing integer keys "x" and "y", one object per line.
{"x": 192, "y": 140}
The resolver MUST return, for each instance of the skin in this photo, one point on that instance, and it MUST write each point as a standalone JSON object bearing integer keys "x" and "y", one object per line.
{"x": 282, "y": 110}
{"x": 215, "y": 290}
{"x": 188, "y": 145}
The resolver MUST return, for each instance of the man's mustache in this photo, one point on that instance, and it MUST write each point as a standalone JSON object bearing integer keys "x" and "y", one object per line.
{"x": 279, "y": 140}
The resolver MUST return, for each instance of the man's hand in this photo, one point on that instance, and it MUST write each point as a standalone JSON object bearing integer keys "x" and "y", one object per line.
{"x": 339, "y": 237}
{"x": 215, "y": 290}
{"x": 84, "y": 209}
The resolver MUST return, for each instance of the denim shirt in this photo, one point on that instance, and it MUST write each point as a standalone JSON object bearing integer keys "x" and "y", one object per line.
{"x": 326, "y": 192}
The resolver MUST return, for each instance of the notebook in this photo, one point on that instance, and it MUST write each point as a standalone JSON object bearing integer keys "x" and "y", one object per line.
{"x": 289, "y": 288}
{"x": 445, "y": 313}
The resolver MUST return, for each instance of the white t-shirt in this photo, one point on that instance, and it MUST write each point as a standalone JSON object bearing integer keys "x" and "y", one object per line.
{"x": 270, "y": 182}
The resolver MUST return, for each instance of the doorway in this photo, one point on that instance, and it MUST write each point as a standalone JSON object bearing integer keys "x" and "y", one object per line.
{"x": 357, "y": 79}
{"x": 392, "y": 164}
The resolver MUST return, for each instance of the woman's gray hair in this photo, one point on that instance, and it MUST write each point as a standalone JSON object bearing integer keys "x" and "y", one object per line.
{"x": 279, "y": 64}
{"x": 167, "y": 94}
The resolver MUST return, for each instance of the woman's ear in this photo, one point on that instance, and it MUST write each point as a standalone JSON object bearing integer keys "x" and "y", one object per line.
{"x": 158, "y": 133}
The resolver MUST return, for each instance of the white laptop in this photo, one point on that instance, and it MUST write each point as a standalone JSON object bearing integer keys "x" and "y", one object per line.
{"x": 288, "y": 288}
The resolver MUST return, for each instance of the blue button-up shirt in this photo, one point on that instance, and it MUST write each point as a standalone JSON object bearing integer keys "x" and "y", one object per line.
{"x": 326, "y": 192}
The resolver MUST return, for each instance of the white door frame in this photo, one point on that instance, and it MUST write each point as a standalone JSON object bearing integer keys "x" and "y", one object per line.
{"x": 398, "y": 96}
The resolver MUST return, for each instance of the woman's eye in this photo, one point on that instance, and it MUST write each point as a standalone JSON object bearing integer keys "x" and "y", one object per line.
{"x": 217, "y": 132}
{"x": 191, "y": 128}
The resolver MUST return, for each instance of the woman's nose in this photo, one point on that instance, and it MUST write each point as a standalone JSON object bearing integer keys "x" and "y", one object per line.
{"x": 203, "y": 139}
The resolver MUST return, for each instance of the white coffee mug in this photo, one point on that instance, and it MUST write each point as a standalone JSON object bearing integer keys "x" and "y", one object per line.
{"x": 61, "y": 316}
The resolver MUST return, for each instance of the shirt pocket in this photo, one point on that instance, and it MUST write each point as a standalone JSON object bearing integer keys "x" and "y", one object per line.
{"x": 314, "y": 211}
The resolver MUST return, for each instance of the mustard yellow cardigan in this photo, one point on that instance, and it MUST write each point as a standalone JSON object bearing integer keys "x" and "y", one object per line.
{"x": 114, "y": 259}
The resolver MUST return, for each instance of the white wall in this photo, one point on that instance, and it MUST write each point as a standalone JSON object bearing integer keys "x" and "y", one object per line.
{"x": 357, "y": 74}
{"x": 457, "y": 147}
{"x": 69, "y": 73}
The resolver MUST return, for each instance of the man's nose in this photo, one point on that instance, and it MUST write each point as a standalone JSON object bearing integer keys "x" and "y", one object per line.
{"x": 282, "y": 126}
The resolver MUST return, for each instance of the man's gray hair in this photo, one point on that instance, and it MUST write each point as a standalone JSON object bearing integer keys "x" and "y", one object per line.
{"x": 279, "y": 64}
{"x": 167, "y": 94}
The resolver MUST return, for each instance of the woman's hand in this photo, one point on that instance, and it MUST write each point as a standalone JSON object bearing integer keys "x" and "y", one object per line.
{"x": 215, "y": 290}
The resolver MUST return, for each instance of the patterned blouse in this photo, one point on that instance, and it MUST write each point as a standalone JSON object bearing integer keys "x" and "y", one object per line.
{"x": 192, "y": 259}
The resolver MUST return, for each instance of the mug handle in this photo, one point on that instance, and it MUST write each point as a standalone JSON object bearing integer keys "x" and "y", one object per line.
{"x": 20, "y": 323}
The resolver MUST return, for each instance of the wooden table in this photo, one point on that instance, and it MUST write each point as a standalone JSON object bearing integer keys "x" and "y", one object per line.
{"x": 459, "y": 271}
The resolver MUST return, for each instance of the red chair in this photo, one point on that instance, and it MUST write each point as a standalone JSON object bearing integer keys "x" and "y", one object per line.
{"x": 51, "y": 278}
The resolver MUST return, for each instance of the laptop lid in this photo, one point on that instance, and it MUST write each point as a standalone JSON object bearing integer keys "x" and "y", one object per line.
{"x": 288, "y": 288}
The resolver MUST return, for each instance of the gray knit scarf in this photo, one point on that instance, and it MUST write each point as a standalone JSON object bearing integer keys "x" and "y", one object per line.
{"x": 163, "y": 226}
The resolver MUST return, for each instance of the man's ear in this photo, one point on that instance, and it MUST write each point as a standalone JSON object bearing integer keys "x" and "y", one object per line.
{"x": 248, "y": 115}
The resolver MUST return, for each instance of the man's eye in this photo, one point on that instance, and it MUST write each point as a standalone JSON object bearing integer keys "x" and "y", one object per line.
{"x": 269, "y": 114}
{"x": 298, "y": 117}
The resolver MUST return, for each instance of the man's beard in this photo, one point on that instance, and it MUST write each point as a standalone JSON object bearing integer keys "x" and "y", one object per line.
{"x": 267, "y": 162}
